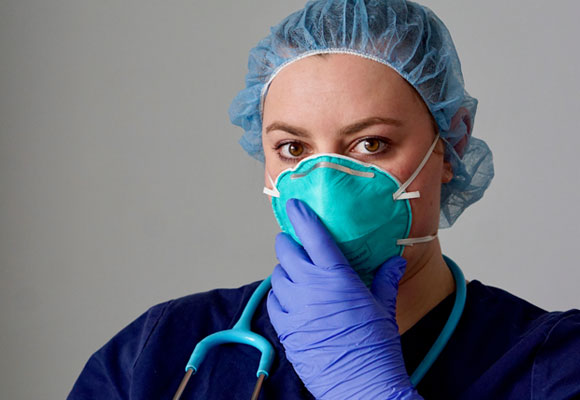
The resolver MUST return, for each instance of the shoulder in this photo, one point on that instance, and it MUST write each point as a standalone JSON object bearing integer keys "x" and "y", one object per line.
{"x": 150, "y": 340}
{"x": 197, "y": 312}
{"x": 211, "y": 306}
{"x": 498, "y": 307}
{"x": 519, "y": 320}
{"x": 556, "y": 370}
{"x": 197, "y": 315}
{"x": 491, "y": 296}
{"x": 525, "y": 351}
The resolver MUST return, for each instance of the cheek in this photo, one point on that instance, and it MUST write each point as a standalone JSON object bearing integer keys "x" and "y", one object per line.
{"x": 270, "y": 174}
{"x": 272, "y": 168}
{"x": 426, "y": 209}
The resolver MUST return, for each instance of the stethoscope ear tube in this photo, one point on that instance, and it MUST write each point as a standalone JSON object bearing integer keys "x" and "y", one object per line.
{"x": 183, "y": 384}
{"x": 258, "y": 386}
{"x": 240, "y": 333}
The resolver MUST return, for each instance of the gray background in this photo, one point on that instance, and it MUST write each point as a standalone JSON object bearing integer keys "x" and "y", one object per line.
{"x": 122, "y": 184}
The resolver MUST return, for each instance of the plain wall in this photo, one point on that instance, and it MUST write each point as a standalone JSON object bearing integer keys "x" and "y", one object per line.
{"x": 122, "y": 184}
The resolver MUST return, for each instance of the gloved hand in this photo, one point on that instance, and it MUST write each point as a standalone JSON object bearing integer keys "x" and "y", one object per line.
{"x": 341, "y": 338}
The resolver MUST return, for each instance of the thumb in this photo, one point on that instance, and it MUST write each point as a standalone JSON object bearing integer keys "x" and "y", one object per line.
{"x": 386, "y": 282}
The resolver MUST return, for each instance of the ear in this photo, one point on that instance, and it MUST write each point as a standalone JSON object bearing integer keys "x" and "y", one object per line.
{"x": 461, "y": 117}
{"x": 461, "y": 121}
{"x": 447, "y": 174}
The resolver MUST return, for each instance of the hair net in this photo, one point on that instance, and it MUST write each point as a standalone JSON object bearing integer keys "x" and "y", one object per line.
{"x": 403, "y": 35}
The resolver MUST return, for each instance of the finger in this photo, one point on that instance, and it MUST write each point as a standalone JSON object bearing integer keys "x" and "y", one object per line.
{"x": 284, "y": 289}
{"x": 386, "y": 282}
{"x": 317, "y": 241}
{"x": 294, "y": 259}
{"x": 276, "y": 312}
{"x": 289, "y": 251}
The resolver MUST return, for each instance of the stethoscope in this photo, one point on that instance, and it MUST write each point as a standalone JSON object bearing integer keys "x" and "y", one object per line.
{"x": 242, "y": 333}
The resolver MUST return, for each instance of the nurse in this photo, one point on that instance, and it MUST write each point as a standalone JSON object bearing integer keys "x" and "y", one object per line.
{"x": 359, "y": 112}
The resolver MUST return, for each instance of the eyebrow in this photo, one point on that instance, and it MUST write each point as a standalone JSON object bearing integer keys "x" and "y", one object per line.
{"x": 281, "y": 126}
{"x": 368, "y": 122}
{"x": 347, "y": 130}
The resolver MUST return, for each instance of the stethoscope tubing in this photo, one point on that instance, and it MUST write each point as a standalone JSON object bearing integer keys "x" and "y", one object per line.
{"x": 448, "y": 328}
{"x": 242, "y": 333}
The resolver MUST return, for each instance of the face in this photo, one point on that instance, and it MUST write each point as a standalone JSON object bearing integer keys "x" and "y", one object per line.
{"x": 359, "y": 108}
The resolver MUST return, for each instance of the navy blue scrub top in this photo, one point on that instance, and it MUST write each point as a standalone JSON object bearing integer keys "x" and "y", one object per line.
{"x": 503, "y": 348}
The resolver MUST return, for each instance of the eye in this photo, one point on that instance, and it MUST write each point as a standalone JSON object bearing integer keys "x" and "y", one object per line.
{"x": 370, "y": 146}
{"x": 291, "y": 150}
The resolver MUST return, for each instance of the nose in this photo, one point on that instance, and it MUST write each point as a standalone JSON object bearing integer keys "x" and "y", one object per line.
{"x": 329, "y": 146}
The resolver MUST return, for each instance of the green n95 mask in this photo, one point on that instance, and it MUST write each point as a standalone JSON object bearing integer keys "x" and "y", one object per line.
{"x": 365, "y": 208}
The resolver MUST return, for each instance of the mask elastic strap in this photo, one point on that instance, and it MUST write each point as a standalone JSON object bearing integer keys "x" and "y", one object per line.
{"x": 412, "y": 241}
{"x": 271, "y": 192}
{"x": 400, "y": 194}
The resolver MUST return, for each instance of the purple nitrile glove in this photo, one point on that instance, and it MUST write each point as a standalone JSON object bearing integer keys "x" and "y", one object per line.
{"x": 341, "y": 338}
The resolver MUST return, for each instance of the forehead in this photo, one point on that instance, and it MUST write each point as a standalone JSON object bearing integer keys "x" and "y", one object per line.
{"x": 340, "y": 81}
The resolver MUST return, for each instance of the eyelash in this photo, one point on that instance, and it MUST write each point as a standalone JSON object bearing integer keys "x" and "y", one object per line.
{"x": 383, "y": 140}
{"x": 284, "y": 158}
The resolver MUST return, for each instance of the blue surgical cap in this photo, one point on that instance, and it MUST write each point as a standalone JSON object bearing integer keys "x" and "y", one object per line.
{"x": 402, "y": 35}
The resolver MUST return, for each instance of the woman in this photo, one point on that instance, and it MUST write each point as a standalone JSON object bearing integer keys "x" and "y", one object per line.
{"x": 359, "y": 111}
